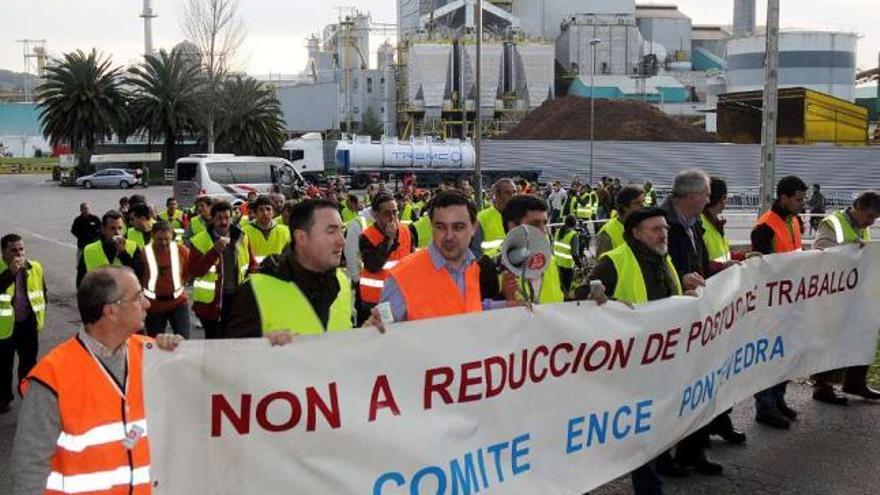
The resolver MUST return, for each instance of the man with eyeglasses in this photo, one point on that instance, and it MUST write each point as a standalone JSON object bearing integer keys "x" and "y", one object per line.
{"x": 83, "y": 414}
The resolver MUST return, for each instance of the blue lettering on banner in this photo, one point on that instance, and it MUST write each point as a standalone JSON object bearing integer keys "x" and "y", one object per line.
{"x": 468, "y": 474}
{"x": 749, "y": 355}
{"x": 624, "y": 422}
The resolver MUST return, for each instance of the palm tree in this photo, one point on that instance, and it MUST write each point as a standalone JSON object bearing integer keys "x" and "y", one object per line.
{"x": 81, "y": 102}
{"x": 250, "y": 121}
{"x": 165, "y": 98}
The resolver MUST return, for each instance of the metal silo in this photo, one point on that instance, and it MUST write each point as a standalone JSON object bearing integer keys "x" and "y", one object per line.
{"x": 823, "y": 61}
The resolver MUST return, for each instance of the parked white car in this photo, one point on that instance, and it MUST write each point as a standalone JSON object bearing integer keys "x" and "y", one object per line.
{"x": 109, "y": 177}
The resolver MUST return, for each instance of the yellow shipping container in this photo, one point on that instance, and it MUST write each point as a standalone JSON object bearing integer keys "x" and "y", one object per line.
{"x": 805, "y": 117}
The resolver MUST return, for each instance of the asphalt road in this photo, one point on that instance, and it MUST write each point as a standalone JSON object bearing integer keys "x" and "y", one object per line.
{"x": 830, "y": 450}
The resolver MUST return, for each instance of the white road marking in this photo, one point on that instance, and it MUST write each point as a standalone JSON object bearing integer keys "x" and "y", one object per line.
{"x": 48, "y": 239}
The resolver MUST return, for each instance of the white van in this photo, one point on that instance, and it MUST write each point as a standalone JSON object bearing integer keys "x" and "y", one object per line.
{"x": 230, "y": 177}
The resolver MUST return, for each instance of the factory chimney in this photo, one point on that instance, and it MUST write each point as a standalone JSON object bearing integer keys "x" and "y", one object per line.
{"x": 743, "y": 17}
{"x": 148, "y": 16}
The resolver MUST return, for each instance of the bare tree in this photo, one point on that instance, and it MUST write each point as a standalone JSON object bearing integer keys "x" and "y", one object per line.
{"x": 215, "y": 27}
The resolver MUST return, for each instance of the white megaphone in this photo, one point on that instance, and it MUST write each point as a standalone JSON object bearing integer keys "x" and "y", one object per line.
{"x": 526, "y": 252}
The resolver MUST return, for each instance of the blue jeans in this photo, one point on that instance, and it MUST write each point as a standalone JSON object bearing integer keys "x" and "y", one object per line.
{"x": 178, "y": 317}
{"x": 769, "y": 399}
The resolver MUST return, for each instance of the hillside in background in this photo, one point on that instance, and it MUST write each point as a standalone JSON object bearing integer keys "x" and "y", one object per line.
{"x": 11, "y": 84}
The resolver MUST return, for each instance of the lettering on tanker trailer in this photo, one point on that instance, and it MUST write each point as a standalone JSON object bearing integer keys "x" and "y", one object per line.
{"x": 420, "y": 157}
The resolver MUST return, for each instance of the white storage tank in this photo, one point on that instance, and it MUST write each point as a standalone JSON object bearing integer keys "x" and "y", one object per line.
{"x": 393, "y": 154}
{"x": 823, "y": 61}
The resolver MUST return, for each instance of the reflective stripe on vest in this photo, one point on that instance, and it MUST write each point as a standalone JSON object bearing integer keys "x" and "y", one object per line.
{"x": 417, "y": 271}
{"x": 717, "y": 246}
{"x": 98, "y": 481}
{"x": 372, "y": 283}
{"x": 283, "y": 306}
{"x": 787, "y": 236}
{"x": 492, "y": 227}
{"x": 94, "y": 257}
{"x": 562, "y": 249}
{"x": 36, "y": 297}
{"x": 844, "y": 231}
{"x": 103, "y": 444}
{"x": 630, "y": 281}
{"x": 153, "y": 266}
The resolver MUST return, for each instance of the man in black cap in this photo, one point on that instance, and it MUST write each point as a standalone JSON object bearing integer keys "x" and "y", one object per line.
{"x": 646, "y": 273}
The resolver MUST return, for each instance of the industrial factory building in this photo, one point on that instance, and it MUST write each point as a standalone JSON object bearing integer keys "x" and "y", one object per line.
{"x": 535, "y": 50}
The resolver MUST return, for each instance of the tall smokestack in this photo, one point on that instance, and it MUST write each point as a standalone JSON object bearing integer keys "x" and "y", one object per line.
{"x": 148, "y": 16}
{"x": 743, "y": 17}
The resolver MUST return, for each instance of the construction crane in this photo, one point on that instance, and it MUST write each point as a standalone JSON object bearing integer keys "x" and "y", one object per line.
{"x": 32, "y": 49}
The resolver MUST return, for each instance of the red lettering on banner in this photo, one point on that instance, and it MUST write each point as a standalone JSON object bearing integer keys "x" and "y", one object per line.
{"x": 467, "y": 381}
{"x": 439, "y": 388}
{"x": 498, "y": 363}
{"x": 559, "y": 371}
{"x": 659, "y": 346}
{"x": 814, "y": 287}
{"x": 220, "y": 406}
{"x": 290, "y": 422}
{"x": 282, "y": 400}
{"x": 669, "y": 345}
{"x": 538, "y": 377}
{"x": 382, "y": 387}
{"x": 824, "y": 288}
{"x": 852, "y": 279}
{"x": 315, "y": 402}
{"x": 785, "y": 291}
{"x": 772, "y": 287}
{"x": 491, "y": 376}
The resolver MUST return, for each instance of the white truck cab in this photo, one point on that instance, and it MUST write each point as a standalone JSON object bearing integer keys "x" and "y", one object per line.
{"x": 306, "y": 153}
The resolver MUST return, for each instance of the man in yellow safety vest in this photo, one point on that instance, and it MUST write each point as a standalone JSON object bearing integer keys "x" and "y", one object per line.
{"x": 490, "y": 228}
{"x": 22, "y": 313}
{"x": 849, "y": 226}
{"x": 307, "y": 292}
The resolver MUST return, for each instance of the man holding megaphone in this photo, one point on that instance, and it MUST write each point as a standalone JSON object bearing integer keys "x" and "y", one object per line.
{"x": 525, "y": 268}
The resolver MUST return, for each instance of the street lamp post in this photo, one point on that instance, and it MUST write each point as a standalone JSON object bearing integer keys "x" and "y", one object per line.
{"x": 478, "y": 114}
{"x": 593, "y": 43}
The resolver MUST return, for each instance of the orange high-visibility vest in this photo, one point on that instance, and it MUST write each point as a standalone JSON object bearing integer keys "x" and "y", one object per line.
{"x": 372, "y": 283}
{"x": 431, "y": 293}
{"x": 103, "y": 446}
{"x": 786, "y": 239}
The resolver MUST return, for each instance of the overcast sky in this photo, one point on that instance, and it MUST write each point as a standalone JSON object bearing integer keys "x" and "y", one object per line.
{"x": 277, "y": 29}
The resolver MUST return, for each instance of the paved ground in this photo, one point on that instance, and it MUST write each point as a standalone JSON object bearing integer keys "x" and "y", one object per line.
{"x": 830, "y": 450}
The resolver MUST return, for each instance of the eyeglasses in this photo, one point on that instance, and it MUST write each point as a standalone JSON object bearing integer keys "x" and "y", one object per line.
{"x": 136, "y": 299}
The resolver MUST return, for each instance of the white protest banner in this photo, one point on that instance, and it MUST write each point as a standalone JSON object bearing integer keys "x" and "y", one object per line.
{"x": 558, "y": 401}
